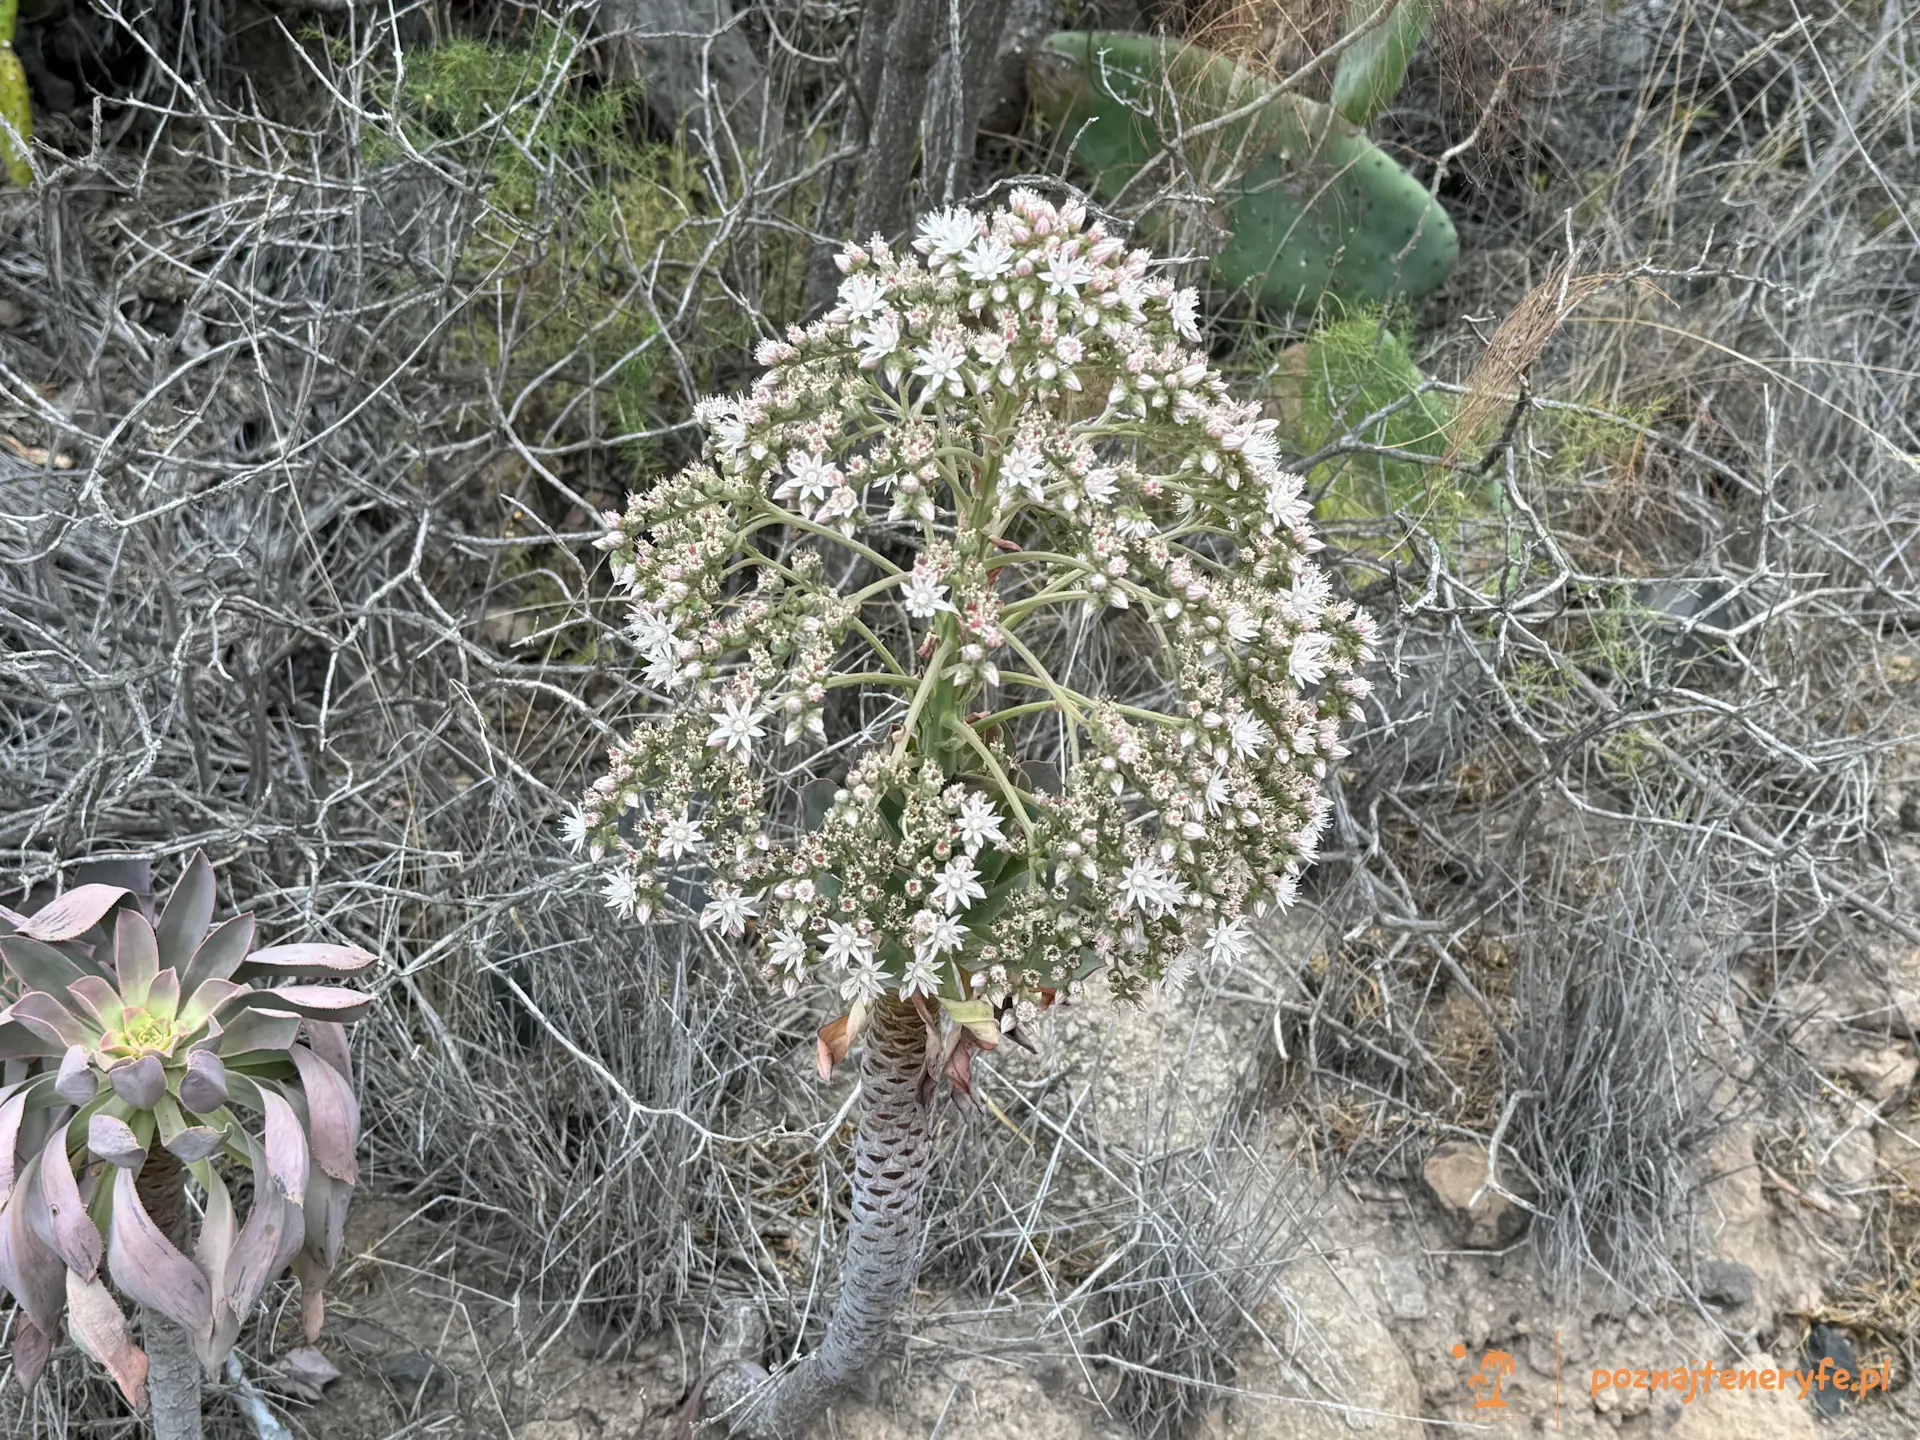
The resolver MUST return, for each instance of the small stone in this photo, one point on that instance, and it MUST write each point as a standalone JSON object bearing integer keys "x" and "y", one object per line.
{"x": 1400, "y": 1282}
{"x": 1456, "y": 1172}
{"x": 1825, "y": 1342}
{"x": 1726, "y": 1282}
{"x": 412, "y": 1371}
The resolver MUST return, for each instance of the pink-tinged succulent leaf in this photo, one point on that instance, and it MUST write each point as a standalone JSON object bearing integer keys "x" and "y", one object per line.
{"x": 333, "y": 1114}
{"x": 287, "y": 1155}
{"x": 204, "y": 999}
{"x": 252, "y": 1031}
{"x": 32, "y": 1348}
{"x": 113, "y": 1140}
{"x": 136, "y": 956}
{"x": 832, "y": 1046}
{"x": 53, "y": 1022}
{"x": 72, "y": 1233}
{"x": 274, "y": 1229}
{"x": 146, "y": 1267}
{"x": 221, "y": 954}
{"x": 76, "y": 1083}
{"x": 101, "y": 1330}
{"x": 163, "y": 996}
{"x": 13, "y": 1110}
{"x": 94, "y": 999}
{"x": 204, "y": 1087}
{"x": 213, "y": 1252}
{"x": 310, "y": 1002}
{"x": 196, "y": 1143}
{"x": 38, "y": 967}
{"x": 140, "y": 1082}
{"x": 329, "y": 1042}
{"x": 29, "y": 1269}
{"x": 313, "y": 1277}
{"x": 305, "y": 962}
{"x": 74, "y": 913}
{"x": 183, "y": 924}
{"x": 11, "y": 920}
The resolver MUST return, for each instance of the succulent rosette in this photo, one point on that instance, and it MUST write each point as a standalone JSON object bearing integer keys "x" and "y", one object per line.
{"x": 998, "y": 455}
{"x": 146, "y": 1064}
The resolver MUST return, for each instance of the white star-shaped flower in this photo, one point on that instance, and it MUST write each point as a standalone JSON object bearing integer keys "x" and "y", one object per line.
{"x": 989, "y": 258}
{"x": 923, "y": 595}
{"x": 729, "y": 910}
{"x": 1183, "y": 309}
{"x": 862, "y": 295}
{"x": 958, "y": 885}
{"x": 1246, "y": 734}
{"x": 788, "y": 950}
{"x": 573, "y": 830}
{"x": 846, "y": 945}
{"x": 879, "y": 340}
{"x": 1229, "y": 942}
{"x": 940, "y": 360}
{"x": 919, "y": 976}
{"x": 811, "y": 477}
{"x": 937, "y": 934}
{"x": 1066, "y": 272}
{"x": 1025, "y": 469}
{"x": 1151, "y": 890}
{"x": 947, "y": 232}
{"x": 1310, "y": 657}
{"x": 678, "y": 836}
{"x": 621, "y": 892}
{"x": 865, "y": 983}
{"x": 978, "y": 823}
{"x": 735, "y": 727}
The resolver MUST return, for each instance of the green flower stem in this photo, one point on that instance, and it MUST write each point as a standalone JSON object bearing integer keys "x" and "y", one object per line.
{"x": 928, "y": 682}
{"x": 780, "y": 516}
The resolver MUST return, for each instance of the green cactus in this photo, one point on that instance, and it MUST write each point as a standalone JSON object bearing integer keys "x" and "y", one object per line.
{"x": 16, "y": 114}
{"x": 1314, "y": 208}
{"x": 1372, "y": 68}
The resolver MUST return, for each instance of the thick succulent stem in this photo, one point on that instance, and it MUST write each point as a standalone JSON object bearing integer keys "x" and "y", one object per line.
{"x": 890, "y": 1155}
{"x": 173, "y": 1378}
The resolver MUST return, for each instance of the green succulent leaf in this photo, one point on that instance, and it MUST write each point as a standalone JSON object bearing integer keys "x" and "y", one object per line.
{"x": 36, "y": 966}
{"x": 136, "y": 957}
{"x": 220, "y": 955}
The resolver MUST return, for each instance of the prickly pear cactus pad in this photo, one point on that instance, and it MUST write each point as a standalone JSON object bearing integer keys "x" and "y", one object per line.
{"x": 989, "y": 556}
{"x": 1313, "y": 208}
{"x": 16, "y": 111}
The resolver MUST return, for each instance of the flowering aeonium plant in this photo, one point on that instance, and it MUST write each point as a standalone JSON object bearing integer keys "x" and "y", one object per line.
{"x": 991, "y": 538}
{"x": 141, "y": 1059}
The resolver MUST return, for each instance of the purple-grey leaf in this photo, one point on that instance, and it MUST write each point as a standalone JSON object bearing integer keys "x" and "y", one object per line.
{"x": 312, "y": 1002}
{"x": 304, "y": 962}
{"x": 12, "y": 920}
{"x": 77, "y": 1083}
{"x": 32, "y": 1348}
{"x": 204, "y": 999}
{"x": 101, "y": 1330}
{"x": 74, "y": 913}
{"x": 220, "y": 954}
{"x": 189, "y": 911}
{"x": 113, "y": 1140}
{"x": 313, "y": 1277}
{"x": 333, "y": 1114}
{"x": 287, "y": 1155}
{"x": 140, "y": 1082}
{"x": 326, "y": 1217}
{"x": 204, "y": 1087}
{"x": 12, "y": 1110}
{"x": 29, "y": 1269}
{"x": 74, "y": 1237}
{"x": 163, "y": 996}
{"x": 249, "y": 1031}
{"x": 147, "y": 1267}
{"x": 305, "y": 1372}
{"x": 196, "y": 1143}
{"x": 212, "y": 1252}
{"x": 17, "y": 1042}
{"x": 53, "y": 1022}
{"x": 274, "y": 1229}
{"x": 329, "y": 1042}
{"x": 38, "y": 967}
{"x": 136, "y": 956}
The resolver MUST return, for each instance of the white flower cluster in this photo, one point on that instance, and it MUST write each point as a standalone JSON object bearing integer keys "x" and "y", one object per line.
{"x": 1000, "y": 440}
